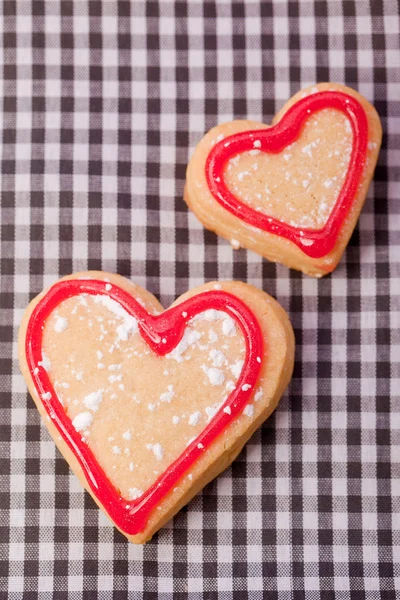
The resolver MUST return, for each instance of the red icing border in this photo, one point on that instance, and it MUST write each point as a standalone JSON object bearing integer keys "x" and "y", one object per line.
{"x": 274, "y": 140}
{"x": 169, "y": 326}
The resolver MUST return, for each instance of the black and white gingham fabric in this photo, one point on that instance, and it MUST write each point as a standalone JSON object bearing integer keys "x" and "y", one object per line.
{"x": 101, "y": 106}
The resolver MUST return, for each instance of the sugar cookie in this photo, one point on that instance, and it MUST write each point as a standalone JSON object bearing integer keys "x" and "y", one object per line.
{"x": 293, "y": 191}
{"x": 146, "y": 405}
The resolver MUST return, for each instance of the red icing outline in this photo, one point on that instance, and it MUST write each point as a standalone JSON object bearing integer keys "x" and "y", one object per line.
{"x": 274, "y": 140}
{"x": 169, "y": 326}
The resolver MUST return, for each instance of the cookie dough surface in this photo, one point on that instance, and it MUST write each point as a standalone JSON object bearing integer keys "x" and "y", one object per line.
{"x": 301, "y": 185}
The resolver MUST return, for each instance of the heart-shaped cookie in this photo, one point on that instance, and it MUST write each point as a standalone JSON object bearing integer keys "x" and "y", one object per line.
{"x": 147, "y": 405}
{"x": 293, "y": 191}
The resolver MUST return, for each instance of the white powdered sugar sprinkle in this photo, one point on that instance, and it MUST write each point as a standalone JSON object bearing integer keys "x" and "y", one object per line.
{"x": 92, "y": 401}
{"x": 135, "y": 493}
{"x": 230, "y": 386}
{"x": 212, "y": 410}
{"x": 190, "y": 337}
{"x": 45, "y": 362}
{"x": 258, "y": 395}
{"x": 195, "y": 418}
{"x": 228, "y": 326}
{"x": 248, "y": 410}
{"x": 215, "y": 376}
{"x": 212, "y": 336}
{"x": 158, "y": 451}
{"x": 218, "y": 358}
{"x": 167, "y": 396}
{"x": 236, "y": 368}
{"x": 210, "y": 315}
{"x": 82, "y": 421}
{"x": 61, "y": 324}
{"x": 129, "y": 325}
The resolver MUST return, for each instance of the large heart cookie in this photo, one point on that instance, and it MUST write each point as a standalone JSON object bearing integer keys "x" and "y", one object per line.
{"x": 147, "y": 405}
{"x": 291, "y": 192}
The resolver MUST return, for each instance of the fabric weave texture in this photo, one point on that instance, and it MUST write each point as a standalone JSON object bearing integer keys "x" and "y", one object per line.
{"x": 101, "y": 105}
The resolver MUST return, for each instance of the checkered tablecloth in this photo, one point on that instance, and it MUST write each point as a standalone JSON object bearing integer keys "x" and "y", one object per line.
{"x": 101, "y": 105}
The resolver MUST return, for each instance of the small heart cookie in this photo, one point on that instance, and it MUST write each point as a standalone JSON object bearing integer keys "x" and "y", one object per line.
{"x": 148, "y": 405}
{"x": 293, "y": 191}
